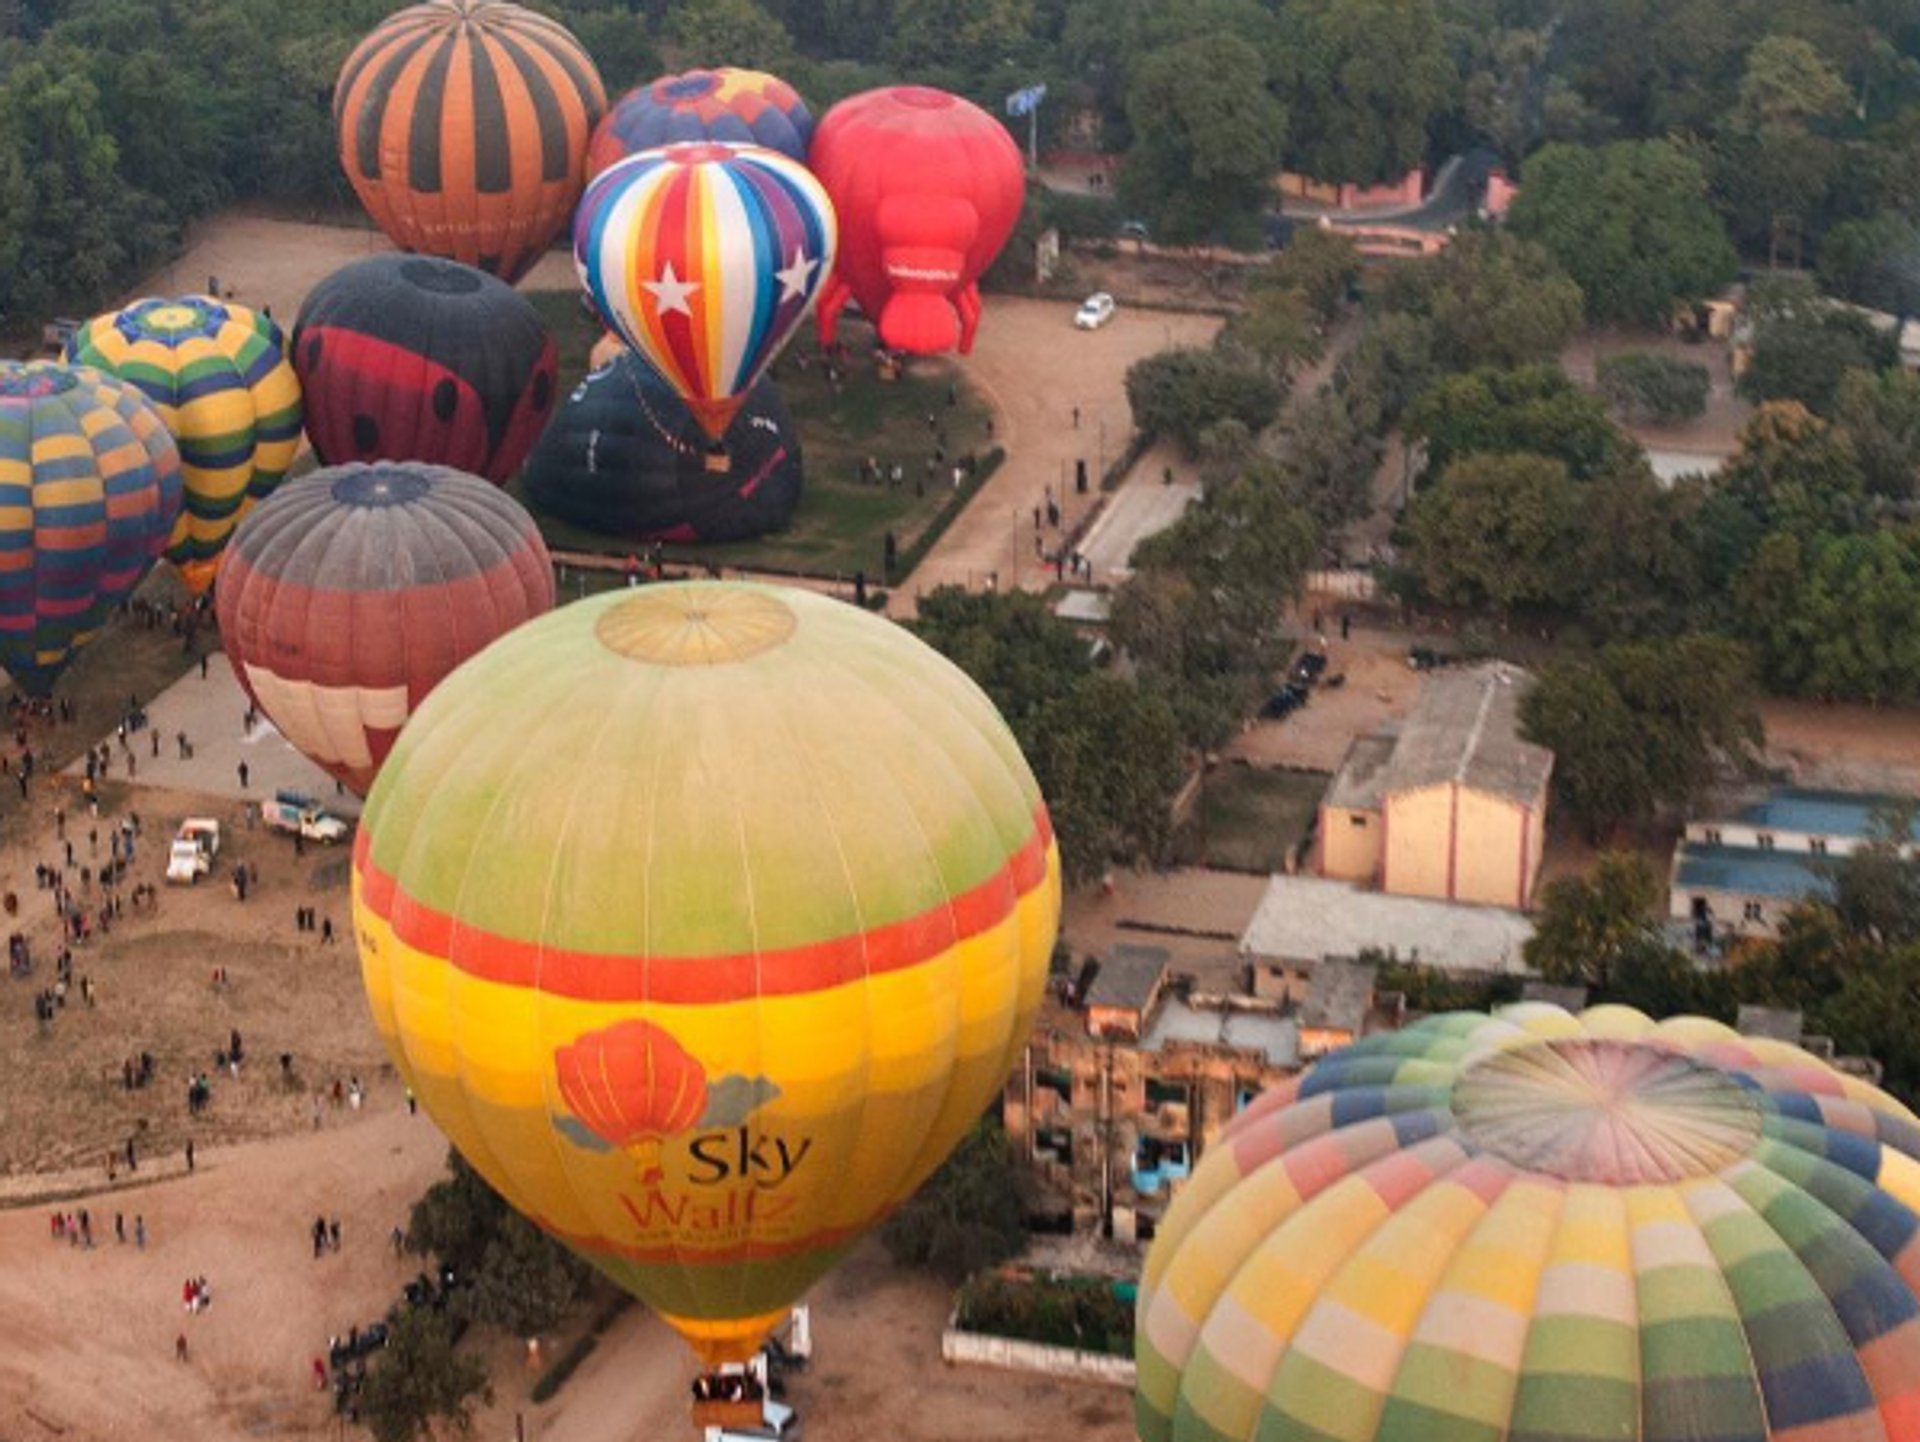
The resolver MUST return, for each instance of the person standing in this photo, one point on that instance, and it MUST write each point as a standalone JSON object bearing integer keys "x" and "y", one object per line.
{"x": 242, "y": 769}
{"x": 140, "y": 1232}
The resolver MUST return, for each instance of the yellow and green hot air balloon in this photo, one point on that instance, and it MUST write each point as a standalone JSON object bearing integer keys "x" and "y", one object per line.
{"x": 219, "y": 376}
{"x": 705, "y": 919}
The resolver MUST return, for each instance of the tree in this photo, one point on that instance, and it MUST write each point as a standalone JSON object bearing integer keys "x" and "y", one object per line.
{"x": 1646, "y": 726}
{"x": 1318, "y": 262}
{"x": 1876, "y": 892}
{"x": 1107, "y": 756}
{"x": 1638, "y": 575}
{"x": 417, "y": 1381}
{"x": 1804, "y": 356}
{"x": 1660, "y": 389}
{"x": 1494, "y": 531}
{"x": 1794, "y": 471}
{"x": 1207, "y": 138}
{"x": 1278, "y": 330}
{"x": 1772, "y": 163}
{"x": 1878, "y": 416}
{"x": 1836, "y": 617}
{"x": 1534, "y": 408}
{"x": 1586, "y": 925}
{"x": 729, "y": 32}
{"x": 1873, "y": 262}
{"x": 972, "y": 1213}
{"x": 1364, "y": 80}
{"x": 1329, "y": 456}
{"x": 1788, "y": 82}
{"x": 1179, "y": 393}
{"x": 973, "y": 36}
{"x": 456, "y": 1218}
{"x": 526, "y": 1282}
{"x": 1490, "y": 299}
{"x": 1630, "y": 222}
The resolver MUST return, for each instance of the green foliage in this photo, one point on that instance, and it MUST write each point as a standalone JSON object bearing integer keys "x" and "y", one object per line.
{"x": 1795, "y": 472}
{"x": 973, "y": 35}
{"x": 1319, "y": 263}
{"x": 1084, "y": 1313}
{"x": 1630, "y": 222}
{"x": 1834, "y": 616}
{"x": 1179, "y": 393}
{"x": 1535, "y": 409}
{"x": 1207, "y": 138}
{"x": 729, "y": 32}
{"x": 1489, "y": 299}
{"x": 419, "y": 1383}
{"x": 1647, "y": 726}
{"x": 1201, "y": 617}
{"x": 1494, "y": 532}
{"x": 1278, "y": 330}
{"x": 1107, "y": 756}
{"x": 1873, "y": 262}
{"x": 1803, "y": 354}
{"x": 521, "y": 1280}
{"x": 1585, "y": 925}
{"x": 1879, "y": 417}
{"x": 1435, "y": 989}
{"x": 1365, "y": 79}
{"x": 970, "y": 1215}
{"x": 1788, "y": 82}
{"x": 1638, "y": 574}
{"x": 1657, "y": 388}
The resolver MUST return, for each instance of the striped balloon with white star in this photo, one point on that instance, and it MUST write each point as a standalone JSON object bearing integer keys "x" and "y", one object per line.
{"x": 705, "y": 258}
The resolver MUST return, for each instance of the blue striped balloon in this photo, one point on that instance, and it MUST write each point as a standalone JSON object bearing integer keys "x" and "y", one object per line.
{"x": 89, "y": 490}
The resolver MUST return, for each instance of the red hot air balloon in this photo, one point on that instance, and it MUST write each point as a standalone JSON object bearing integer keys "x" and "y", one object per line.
{"x": 928, "y": 187}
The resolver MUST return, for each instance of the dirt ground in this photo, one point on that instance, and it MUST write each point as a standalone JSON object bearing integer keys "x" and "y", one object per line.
{"x": 1380, "y": 687}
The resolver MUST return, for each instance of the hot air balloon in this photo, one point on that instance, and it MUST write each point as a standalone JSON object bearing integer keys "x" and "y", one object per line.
{"x": 218, "y": 374}
{"x": 741, "y": 107}
{"x": 412, "y": 358}
{"x": 1542, "y": 1226}
{"x": 350, "y": 597}
{"x": 624, "y": 458}
{"x": 463, "y": 126}
{"x": 89, "y": 492}
{"x": 704, "y": 919}
{"x": 928, "y": 188}
{"x": 704, "y": 258}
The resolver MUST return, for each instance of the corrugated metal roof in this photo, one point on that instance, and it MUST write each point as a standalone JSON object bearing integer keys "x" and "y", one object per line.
{"x": 1466, "y": 728}
{"x": 1275, "y": 1037}
{"x": 1818, "y": 813}
{"x": 1308, "y": 918}
{"x": 1750, "y": 871}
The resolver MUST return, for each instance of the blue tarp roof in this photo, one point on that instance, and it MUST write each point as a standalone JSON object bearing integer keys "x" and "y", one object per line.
{"x": 1751, "y": 871}
{"x": 1820, "y": 813}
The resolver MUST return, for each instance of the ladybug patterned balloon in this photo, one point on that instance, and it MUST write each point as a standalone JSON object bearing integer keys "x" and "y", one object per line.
{"x": 411, "y": 358}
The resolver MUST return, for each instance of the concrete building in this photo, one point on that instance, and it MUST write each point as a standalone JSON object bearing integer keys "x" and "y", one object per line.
{"x": 1741, "y": 868}
{"x": 1116, "y": 1099}
{"x": 1303, "y": 920}
{"x": 1453, "y": 806}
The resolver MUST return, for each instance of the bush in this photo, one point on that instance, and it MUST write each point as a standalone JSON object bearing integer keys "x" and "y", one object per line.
{"x": 971, "y": 1214}
{"x": 1085, "y": 1313}
{"x": 1654, "y": 388}
{"x": 1180, "y": 393}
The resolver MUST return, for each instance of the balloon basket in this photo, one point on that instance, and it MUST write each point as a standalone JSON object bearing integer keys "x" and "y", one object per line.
{"x": 717, "y": 461}
{"x": 715, "y": 1413}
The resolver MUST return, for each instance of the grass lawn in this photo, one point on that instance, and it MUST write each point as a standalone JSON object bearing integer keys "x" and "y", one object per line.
{"x": 840, "y": 524}
{"x": 1252, "y": 818}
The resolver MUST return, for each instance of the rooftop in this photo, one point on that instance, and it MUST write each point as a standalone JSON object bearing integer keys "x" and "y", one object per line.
{"x": 1128, "y": 976}
{"x": 1275, "y": 1037}
{"x": 1339, "y": 994}
{"x": 1816, "y": 813}
{"x": 1356, "y": 786}
{"x": 1306, "y": 918}
{"x": 1466, "y": 728}
{"x": 1769, "y": 1021}
{"x": 1750, "y": 871}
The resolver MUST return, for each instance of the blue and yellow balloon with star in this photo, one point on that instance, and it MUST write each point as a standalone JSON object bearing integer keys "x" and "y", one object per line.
{"x": 705, "y": 258}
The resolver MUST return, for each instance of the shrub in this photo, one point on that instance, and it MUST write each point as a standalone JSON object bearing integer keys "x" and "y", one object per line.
{"x": 1654, "y": 388}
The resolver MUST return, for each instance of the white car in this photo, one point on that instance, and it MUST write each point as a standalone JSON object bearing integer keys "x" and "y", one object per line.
{"x": 1095, "y": 311}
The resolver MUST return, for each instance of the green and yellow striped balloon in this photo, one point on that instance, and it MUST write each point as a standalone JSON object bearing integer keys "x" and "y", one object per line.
{"x": 220, "y": 378}
{"x": 705, "y": 919}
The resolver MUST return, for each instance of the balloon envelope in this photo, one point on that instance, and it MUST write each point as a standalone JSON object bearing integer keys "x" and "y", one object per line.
{"x": 623, "y": 457}
{"x": 351, "y": 596}
{"x": 89, "y": 492}
{"x": 719, "y": 844}
{"x": 928, "y": 187}
{"x": 704, "y": 258}
{"x": 412, "y": 358}
{"x": 218, "y": 375}
{"x": 463, "y": 127}
{"x": 741, "y": 107}
{"x": 1537, "y": 1225}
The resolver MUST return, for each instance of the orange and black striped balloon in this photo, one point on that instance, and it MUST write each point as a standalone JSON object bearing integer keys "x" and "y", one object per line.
{"x": 463, "y": 126}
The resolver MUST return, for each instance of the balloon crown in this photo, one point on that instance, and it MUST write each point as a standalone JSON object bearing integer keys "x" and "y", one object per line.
{"x": 34, "y": 382}
{"x": 377, "y": 486}
{"x": 441, "y": 277}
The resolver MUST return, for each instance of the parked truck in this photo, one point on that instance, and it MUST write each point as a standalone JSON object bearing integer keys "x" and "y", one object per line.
{"x": 195, "y": 845}
{"x": 301, "y": 815}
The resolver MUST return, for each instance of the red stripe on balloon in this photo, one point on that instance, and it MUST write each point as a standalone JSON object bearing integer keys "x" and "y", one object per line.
{"x": 705, "y": 980}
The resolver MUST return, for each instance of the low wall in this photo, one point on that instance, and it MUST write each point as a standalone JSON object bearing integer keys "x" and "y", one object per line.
{"x": 986, "y": 1351}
